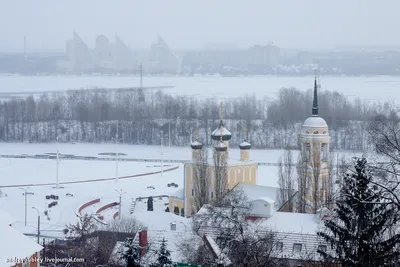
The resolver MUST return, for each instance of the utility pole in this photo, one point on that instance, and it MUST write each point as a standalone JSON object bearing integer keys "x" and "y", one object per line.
{"x": 116, "y": 154}
{"x": 26, "y": 201}
{"x": 162, "y": 153}
{"x": 38, "y": 226}
{"x": 57, "y": 183}
{"x": 120, "y": 201}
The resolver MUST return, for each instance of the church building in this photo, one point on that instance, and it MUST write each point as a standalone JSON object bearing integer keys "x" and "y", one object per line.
{"x": 314, "y": 142}
{"x": 212, "y": 172}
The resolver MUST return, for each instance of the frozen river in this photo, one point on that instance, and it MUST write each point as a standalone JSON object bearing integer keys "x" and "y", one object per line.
{"x": 381, "y": 88}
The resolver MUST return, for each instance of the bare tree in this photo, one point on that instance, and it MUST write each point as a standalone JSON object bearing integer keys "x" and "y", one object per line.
{"x": 244, "y": 243}
{"x": 302, "y": 182}
{"x": 201, "y": 180}
{"x": 220, "y": 176}
{"x": 286, "y": 181}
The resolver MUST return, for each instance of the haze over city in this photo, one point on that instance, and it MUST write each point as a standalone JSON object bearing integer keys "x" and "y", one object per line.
{"x": 290, "y": 24}
{"x": 199, "y": 133}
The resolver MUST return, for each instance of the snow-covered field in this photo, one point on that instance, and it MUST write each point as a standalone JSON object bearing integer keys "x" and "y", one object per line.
{"x": 380, "y": 88}
{"x": 32, "y": 171}
{"x": 134, "y": 151}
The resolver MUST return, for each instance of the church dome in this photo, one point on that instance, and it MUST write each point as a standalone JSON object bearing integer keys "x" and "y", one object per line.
{"x": 315, "y": 121}
{"x": 196, "y": 145}
{"x": 221, "y": 147}
{"x": 216, "y": 134}
{"x": 244, "y": 145}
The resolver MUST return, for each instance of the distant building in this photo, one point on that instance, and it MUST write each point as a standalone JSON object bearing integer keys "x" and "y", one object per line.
{"x": 103, "y": 53}
{"x": 79, "y": 55}
{"x": 263, "y": 55}
{"x": 162, "y": 58}
{"x": 124, "y": 60}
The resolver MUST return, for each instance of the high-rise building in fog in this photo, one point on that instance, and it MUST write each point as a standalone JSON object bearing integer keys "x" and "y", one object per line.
{"x": 123, "y": 58}
{"x": 79, "y": 55}
{"x": 103, "y": 53}
{"x": 162, "y": 58}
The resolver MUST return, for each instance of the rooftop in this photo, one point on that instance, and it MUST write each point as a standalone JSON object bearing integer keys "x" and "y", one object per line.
{"x": 315, "y": 121}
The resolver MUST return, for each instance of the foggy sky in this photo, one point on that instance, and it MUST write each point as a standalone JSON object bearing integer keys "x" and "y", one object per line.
{"x": 186, "y": 24}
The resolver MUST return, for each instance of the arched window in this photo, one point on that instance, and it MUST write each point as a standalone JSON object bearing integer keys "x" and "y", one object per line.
{"x": 316, "y": 132}
{"x": 324, "y": 132}
{"x": 307, "y": 132}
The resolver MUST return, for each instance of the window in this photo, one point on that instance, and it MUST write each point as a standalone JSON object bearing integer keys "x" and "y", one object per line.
{"x": 297, "y": 247}
{"x": 316, "y": 132}
{"x": 192, "y": 192}
{"x": 324, "y": 132}
{"x": 307, "y": 132}
{"x": 212, "y": 195}
{"x": 279, "y": 246}
{"x": 307, "y": 152}
{"x": 324, "y": 149}
{"x": 322, "y": 248}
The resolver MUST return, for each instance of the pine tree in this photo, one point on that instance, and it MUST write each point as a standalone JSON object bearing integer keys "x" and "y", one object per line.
{"x": 163, "y": 256}
{"x": 359, "y": 231}
{"x": 150, "y": 204}
{"x": 131, "y": 254}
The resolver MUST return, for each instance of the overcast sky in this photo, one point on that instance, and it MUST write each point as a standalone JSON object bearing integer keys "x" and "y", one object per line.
{"x": 191, "y": 23}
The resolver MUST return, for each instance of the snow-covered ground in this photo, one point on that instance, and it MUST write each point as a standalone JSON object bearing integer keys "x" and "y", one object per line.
{"x": 211, "y": 86}
{"x": 136, "y": 151}
{"x": 16, "y": 171}
{"x": 33, "y": 171}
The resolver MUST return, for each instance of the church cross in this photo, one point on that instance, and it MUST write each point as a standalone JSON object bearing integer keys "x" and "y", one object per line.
{"x": 245, "y": 133}
{"x": 220, "y": 111}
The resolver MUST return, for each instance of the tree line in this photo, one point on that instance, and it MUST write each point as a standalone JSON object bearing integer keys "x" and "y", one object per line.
{"x": 141, "y": 117}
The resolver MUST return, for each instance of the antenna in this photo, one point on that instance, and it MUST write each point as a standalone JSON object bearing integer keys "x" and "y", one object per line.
{"x": 141, "y": 76}
{"x": 25, "y": 43}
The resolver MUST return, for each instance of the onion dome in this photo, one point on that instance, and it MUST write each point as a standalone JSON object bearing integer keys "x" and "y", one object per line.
{"x": 221, "y": 147}
{"x": 196, "y": 145}
{"x": 221, "y": 130}
{"x": 244, "y": 145}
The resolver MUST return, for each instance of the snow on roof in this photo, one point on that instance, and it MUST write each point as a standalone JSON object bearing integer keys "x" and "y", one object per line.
{"x": 196, "y": 143}
{"x": 6, "y": 219}
{"x": 288, "y": 222}
{"x": 267, "y": 199}
{"x": 231, "y": 162}
{"x": 161, "y": 220}
{"x": 255, "y": 192}
{"x": 315, "y": 121}
{"x": 14, "y": 244}
{"x": 179, "y": 194}
{"x": 217, "y": 132}
{"x": 222, "y": 258}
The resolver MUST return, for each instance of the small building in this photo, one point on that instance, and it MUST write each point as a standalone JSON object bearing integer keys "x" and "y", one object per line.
{"x": 16, "y": 249}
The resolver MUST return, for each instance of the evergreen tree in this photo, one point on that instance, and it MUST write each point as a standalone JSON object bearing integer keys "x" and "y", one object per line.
{"x": 150, "y": 204}
{"x": 131, "y": 254}
{"x": 360, "y": 230}
{"x": 163, "y": 256}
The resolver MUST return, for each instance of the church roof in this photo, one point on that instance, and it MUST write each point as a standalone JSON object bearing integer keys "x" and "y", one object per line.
{"x": 221, "y": 130}
{"x": 315, "y": 122}
{"x": 196, "y": 145}
{"x": 245, "y": 145}
{"x": 221, "y": 147}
